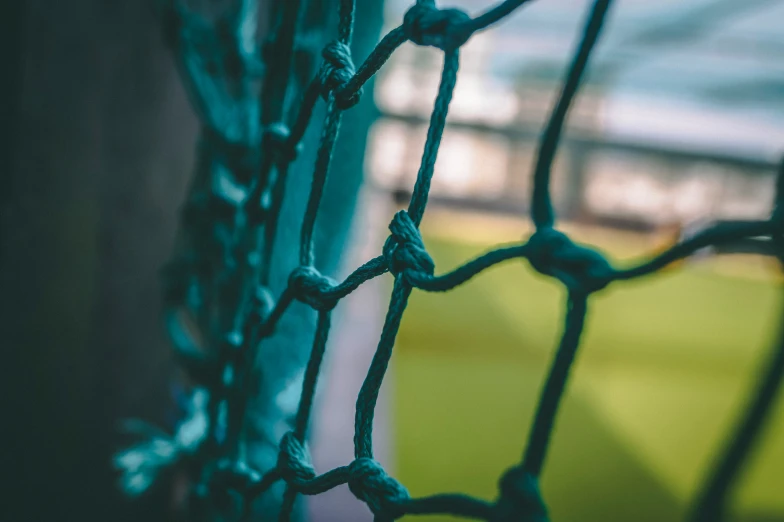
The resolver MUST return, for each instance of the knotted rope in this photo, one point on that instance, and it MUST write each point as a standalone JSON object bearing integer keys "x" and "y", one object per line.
{"x": 404, "y": 249}
{"x": 445, "y": 29}
{"x": 337, "y": 70}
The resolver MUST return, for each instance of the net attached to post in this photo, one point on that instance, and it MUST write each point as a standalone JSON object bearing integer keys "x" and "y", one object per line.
{"x": 582, "y": 270}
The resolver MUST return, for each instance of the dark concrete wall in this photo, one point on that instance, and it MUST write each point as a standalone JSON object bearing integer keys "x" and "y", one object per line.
{"x": 101, "y": 151}
{"x": 96, "y": 149}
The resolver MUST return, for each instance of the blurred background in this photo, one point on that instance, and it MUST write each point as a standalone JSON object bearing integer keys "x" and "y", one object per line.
{"x": 680, "y": 122}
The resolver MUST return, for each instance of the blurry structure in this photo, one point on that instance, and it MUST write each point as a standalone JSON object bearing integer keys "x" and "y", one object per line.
{"x": 681, "y": 118}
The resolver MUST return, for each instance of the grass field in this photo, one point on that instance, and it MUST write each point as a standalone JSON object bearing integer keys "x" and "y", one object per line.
{"x": 665, "y": 366}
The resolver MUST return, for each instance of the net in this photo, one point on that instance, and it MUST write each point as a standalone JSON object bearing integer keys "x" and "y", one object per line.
{"x": 253, "y": 314}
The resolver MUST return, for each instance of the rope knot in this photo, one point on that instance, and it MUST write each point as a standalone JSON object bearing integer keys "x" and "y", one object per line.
{"x": 262, "y": 303}
{"x": 235, "y": 475}
{"x": 336, "y": 71}
{"x": 404, "y": 249}
{"x": 427, "y": 25}
{"x": 311, "y": 287}
{"x": 294, "y": 460}
{"x": 239, "y": 156}
{"x": 520, "y": 498}
{"x": 276, "y": 137}
{"x": 233, "y": 341}
{"x": 384, "y": 495}
{"x": 579, "y": 268}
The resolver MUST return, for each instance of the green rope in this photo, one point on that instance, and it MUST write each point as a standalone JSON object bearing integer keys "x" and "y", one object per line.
{"x": 541, "y": 208}
{"x": 368, "y": 394}
{"x": 554, "y": 387}
{"x": 580, "y": 269}
{"x": 306, "y": 400}
{"x": 711, "y": 505}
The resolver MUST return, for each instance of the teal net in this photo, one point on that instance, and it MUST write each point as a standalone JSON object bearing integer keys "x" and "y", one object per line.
{"x": 236, "y": 277}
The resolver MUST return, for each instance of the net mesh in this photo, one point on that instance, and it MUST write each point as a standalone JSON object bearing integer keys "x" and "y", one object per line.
{"x": 580, "y": 269}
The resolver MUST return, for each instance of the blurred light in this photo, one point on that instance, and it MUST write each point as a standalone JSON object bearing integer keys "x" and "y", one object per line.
{"x": 387, "y": 152}
{"x": 469, "y": 164}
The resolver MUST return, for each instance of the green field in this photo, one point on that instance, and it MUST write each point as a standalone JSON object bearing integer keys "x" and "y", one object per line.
{"x": 665, "y": 365}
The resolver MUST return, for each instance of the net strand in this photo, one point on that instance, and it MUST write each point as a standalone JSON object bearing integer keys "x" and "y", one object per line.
{"x": 494, "y": 15}
{"x": 712, "y": 501}
{"x": 544, "y": 420}
{"x": 278, "y": 73}
{"x": 542, "y": 209}
{"x": 306, "y": 400}
{"x": 580, "y": 269}
{"x": 368, "y": 394}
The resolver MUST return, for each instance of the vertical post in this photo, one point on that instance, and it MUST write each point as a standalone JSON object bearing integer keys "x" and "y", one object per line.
{"x": 574, "y": 200}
